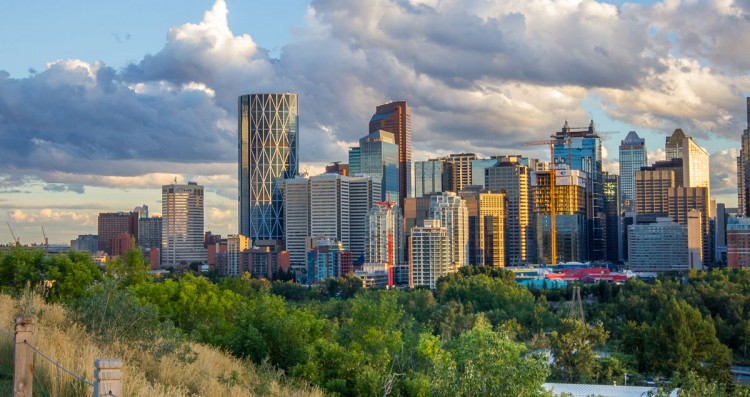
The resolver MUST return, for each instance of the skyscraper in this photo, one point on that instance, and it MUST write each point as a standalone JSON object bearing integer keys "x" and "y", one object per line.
{"x": 182, "y": 224}
{"x": 743, "y": 170}
{"x": 268, "y": 139}
{"x": 612, "y": 209}
{"x": 297, "y": 220}
{"x": 385, "y": 239}
{"x": 570, "y": 215}
{"x": 581, "y": 149}
{"x": 395, "y": 118}
{"x": 329, "y": 208}
{"x": 633, "y": 156}
{"x": 695, "y": 160}
{"x": 432, "y": 176}
{"x": 429, "y": 254}
{"x": 453, "y": 215}
{"x": 112, "y": 224}
{"x": 461, "y": 169}
{"x": 486, "y": 227}
{"x": 512, "y": 178}
{"x": 364, "y": 191}
{"x": 378, "y": 157}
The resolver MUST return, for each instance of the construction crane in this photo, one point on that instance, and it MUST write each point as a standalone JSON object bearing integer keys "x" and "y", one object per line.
{"x": 46, "y": 243}
{"x": 15, "y": 239}
{"x": 552, "y": 210}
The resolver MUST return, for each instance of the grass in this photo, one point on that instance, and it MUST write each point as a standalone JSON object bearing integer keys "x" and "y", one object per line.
{"x": 211, "y": 372}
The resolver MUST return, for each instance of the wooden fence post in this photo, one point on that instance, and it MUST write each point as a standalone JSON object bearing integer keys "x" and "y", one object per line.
{"x": 23, "y": 358}
{"x": 107, "y": 377}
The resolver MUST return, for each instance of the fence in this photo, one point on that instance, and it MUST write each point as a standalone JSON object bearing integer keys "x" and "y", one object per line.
{"x": 107, "y": 372}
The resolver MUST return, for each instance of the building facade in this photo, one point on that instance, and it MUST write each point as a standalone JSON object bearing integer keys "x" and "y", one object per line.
{"x": 385, "y": 238}
{"x": 652, "y": 193}
{"x": 743, "y": 169}
{"x": 738, "y": 242}
{"x": 430, "y": 254}
{"x": 149, "y": 232}
{"x": 461, "y": 169}
{"x": 268, "y": 154}
{"x": 297, "y": 220}
{"x": 451, "y": 210}
{"x": 684, "y": 199}
{"x": 509, "y": 176}
{"x": 661, "y": 246}
{"x": 432, "y": 176}
{"x": 378, "y": 156}
{"x": 112, "y": 224}
{"x": 486, "y": 227}
{"x": 236, "y": 244}
{"x": 364, "y": 191}
{"x": 182, "y": 224}
{"x": 632, "y": 156}
{"x": 395, "y": 118}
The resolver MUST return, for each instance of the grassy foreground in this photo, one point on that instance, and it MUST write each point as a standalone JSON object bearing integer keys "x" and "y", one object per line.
{"x": 209, "y": 371}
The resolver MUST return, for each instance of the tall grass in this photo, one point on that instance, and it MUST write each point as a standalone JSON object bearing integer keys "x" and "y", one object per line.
{"x": 210, "y": 372}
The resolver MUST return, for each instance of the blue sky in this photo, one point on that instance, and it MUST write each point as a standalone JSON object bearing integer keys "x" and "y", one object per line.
{"x": 138, "y": 93}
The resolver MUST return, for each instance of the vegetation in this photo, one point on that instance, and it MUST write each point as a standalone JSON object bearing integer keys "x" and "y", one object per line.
{"x": 479, "y": 333}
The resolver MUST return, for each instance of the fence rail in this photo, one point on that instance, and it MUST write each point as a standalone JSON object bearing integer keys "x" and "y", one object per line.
{"x": 107, "y": 372}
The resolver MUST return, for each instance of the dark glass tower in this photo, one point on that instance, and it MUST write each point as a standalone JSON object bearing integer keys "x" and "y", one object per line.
{"x": 268, "y": 154}
{"x": 395, "y": 118}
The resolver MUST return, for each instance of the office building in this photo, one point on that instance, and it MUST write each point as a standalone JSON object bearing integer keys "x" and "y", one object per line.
{"x": 325, "y": 260}
{"x": 633, "y": 156}
{"x": 743, "y": 169}
{"x": 268, "y": 154}
{"x": 297, "y": 220}
{"x": 509, "y": 176}
{"x": 236, "y": 244}
{"x": 329, "y": 208}
{"x": 451, "y": 210}
{"x": 477, "y": 170}
{"x": 461, "y": 169}
{"x": 432, "y": 176}
{"x": 149, "y": 232}
{"x": 430, "y": 254}
{"x": 85, "y": 242}
{"x": 337, "y": 168}
{"x": 720, "y": 234}
{"x": 695, "y": 239}
{"x": 364, "y": 191}
{"x": 182, "y": 224}
{"x": 112, "y": 224}
{"x": 395, "y": 118}
{"x": 612, "y": 210}
{"x": 661, "y": 246}
{"x": 569, "y": 215}
{"x": 581, "y": 149}
{"x": 695, "y": 160}
{"x": 651, "y": 194}
{"x": 385, "y": 238}
{"x": 378, "y": 157}
{"x": 486, "y": 212}
{"x": 738, "y": 242}
{"x": 683, "y": 199}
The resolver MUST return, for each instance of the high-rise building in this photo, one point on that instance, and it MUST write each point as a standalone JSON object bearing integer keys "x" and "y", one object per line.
{"x": 182, "y": 224}
{"x": 329, "y": 208}
{"x": 738, "y": 242}
{"x": 612, "y": 210}
{"x": 354, "y": 160}
{"x": 395, "y": 118}
{"x": 432, "y": 176}
{"x": 743, "y": 170}
{"x": 112, "y": 224}
{"x": 430, "y": 254}
{"x": 85, "y": 242}
{"x": 378, "y": 157}
{"x": 461, "y": 169}
{"x": 364, "y": 191}
{"x": 268, "y": 154}
{"x": 695, "y": 160}
{"x": 661, "y": 246}
{"x": 337, "y": 168}
{"x": 297, "y": 220}
{"x": 695, "y": 239}
{"x": 674, "y": 165}
{"x": 385, "y": 239}
{"x": 570, "y": 215}
{"x": 325, "y": 260}
{"x": 581, "y": 149}
{"x": 633, "y": 156}
{"x": 416, "y": 211}
{"x": 720, "y": 234}
{"x": 149, "y": 232}
{"x": 477, "y": 170}
{"x": 486, "y": 227}
{"x": 509, "y": 176}
{"x": 651, "y": 194}
{"x": 451, "y": 210}
{"x": 236, "y": 243}
{"x": 684, "y": 199}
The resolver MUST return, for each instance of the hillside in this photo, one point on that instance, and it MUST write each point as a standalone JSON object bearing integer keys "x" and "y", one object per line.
{"x": 207, "y": 372}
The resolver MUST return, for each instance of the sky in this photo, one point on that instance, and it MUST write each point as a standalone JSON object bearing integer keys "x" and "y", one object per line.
{"x": 101, "y": 103}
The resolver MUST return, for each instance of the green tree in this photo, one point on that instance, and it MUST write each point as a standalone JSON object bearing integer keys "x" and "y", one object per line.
{"x": 572, "y": 346}
{"x": 133, "y": 269}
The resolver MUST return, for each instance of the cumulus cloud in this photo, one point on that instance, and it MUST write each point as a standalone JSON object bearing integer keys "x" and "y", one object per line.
{"x": 480, "y": 76}
{"x": 723, "y": 165}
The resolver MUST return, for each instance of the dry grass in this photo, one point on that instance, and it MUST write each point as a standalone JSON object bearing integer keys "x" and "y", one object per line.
{"x": 212, "y": 373}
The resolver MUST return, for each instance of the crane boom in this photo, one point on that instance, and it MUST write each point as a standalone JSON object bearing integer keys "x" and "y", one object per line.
{"x": 15, "y": 239}
{"x": 46, "y": 242}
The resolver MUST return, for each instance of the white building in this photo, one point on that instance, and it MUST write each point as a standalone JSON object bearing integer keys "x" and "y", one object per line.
{"x": 182, "y": 224}
{"x": 385, "y": 241}
{"x": 236, "y": 243}
{"x": 658, "y": 247}
{"x": 297, "y": 220}
{"x": 429, "y": 254}
{"x": 363, "y": 192}
{"x": 451, "y": 211}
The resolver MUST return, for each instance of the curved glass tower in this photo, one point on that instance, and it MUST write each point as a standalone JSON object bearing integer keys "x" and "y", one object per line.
{"x": 268, "y": 154}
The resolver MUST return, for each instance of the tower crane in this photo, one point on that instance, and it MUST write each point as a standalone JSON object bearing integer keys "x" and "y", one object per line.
{"x": 46, "y": 243}
{"x": 15, "y": 239}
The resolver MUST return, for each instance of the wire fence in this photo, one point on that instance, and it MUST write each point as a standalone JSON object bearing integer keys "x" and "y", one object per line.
{"x": 58, "y": 365}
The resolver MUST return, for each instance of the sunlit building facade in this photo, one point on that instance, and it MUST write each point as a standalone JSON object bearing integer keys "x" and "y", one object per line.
{"x": 182, "y": 224}
{"x": 430, "y": 254}
{"x": 395, "y": 118}
{"x": 451, "y": 210}
{"x": 385, "y": 239}
{"x": 268, "y": 154}
{"x": 633, "y": 156}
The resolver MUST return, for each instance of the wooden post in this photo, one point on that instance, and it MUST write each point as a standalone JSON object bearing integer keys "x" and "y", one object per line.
{"x": 23, "y": 358}
{"x": 107, "y": 377}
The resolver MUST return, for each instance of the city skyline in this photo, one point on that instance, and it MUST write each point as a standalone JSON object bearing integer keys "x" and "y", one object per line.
{"x": 84, "y": 137}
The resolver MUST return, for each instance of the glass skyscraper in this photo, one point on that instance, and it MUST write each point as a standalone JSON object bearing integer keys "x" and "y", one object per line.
{"x": 581, "y": 149}
{"x": 268, "y": 154}
{"x": 378, "y": 157}
{"x": 633, "y": 156}
{"x": 395, "y": 118}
